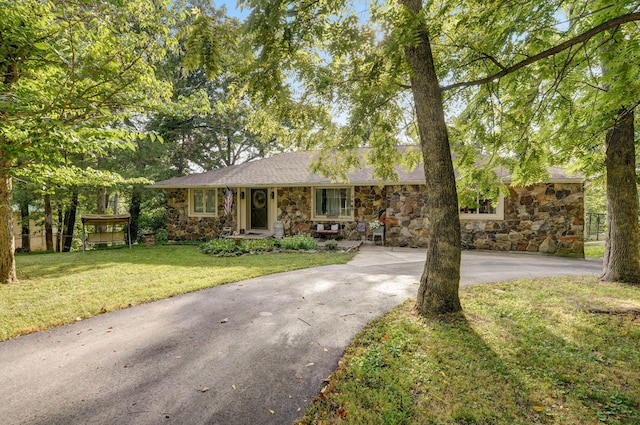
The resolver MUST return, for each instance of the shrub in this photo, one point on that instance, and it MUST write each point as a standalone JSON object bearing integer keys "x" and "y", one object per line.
{"x": 230, "y": 247}
{"x": 220, "y": 246}
{"x": 298, "y": 242}
{"x": 331, "y": 245}
{"x": 162, "y": 236}
{"x": 151, "y": 221}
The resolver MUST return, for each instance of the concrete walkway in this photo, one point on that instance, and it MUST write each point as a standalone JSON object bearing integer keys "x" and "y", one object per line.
{"x": 252, "y": 352}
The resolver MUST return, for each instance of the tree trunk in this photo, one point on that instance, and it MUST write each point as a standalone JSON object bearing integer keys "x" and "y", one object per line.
{"x": 7, "y": 243}
{"x": 116, "y": 199}
{"x": 438, "y": 292}
{"x": 134, "y": 210}
{"x": 621, "y": 261}
{"x": 101, "y": 206}
{"x": 70, "y": 221}
{"x": 60, "y": 233}
{"x": 24, "y": 226}
{"x": 48, "y": 223}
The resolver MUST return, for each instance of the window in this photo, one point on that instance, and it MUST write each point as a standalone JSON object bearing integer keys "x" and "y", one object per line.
{"x": 202, "y": 202}
{"x": 483, "y": 209}
{"x": 333, "y": 202}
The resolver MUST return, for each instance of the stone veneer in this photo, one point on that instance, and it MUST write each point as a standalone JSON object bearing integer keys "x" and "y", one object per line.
{"x": 547, "y": 218}
{"x": 294, "y": 210}
{"x": 182, "y": 227}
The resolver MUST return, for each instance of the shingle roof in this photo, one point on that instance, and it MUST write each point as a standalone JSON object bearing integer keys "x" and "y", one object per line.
{"x": 292, "y": 169}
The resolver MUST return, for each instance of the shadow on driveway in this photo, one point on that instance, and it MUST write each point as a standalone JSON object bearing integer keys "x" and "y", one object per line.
{"x": 251, "y": 352}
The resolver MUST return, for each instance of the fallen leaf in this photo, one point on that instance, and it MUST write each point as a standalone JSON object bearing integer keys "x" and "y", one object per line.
{"x": 385, "y": 337}
{"x": 204, "y": 389}
{"x": 538, "y": 409}
{"x": 341, "y": 412}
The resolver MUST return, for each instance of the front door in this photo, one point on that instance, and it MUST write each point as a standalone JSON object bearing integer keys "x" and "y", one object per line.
{"x": 259, "y": 209}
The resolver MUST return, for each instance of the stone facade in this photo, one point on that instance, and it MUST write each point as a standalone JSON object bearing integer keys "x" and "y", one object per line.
{"x": 547, "y": 218}
{"x": 182, "y": 227}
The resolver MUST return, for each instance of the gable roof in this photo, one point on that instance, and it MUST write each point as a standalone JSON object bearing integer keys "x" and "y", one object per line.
{"x": 292, "y": 169}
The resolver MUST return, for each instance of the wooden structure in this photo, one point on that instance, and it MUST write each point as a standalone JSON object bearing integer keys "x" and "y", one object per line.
{"x": 113, "y": 236}
{"x": 330, "y": 231}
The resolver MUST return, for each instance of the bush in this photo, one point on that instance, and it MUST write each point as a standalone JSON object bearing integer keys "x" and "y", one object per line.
{"x": 162, "y": 236}
{"x": 224, "y": 247}
{"x": 298, "y": 242}
{"x": 331, "y": 245}
{"x": 230, "y": 247}
{"x": 152, "y": 221}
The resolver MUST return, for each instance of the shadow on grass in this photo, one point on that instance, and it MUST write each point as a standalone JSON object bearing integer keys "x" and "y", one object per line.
{"x": 406, "y": 369}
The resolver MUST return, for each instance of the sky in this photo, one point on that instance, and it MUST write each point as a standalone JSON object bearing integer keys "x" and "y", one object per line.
{"x": 232, "y": 8}
{"x": 235, "y": 11}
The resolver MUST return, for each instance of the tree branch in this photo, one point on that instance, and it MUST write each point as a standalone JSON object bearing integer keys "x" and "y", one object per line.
{"x": 615, "y": 22}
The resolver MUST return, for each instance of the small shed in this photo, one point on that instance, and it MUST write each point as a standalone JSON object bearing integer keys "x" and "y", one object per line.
{"x": 115, "y": 229}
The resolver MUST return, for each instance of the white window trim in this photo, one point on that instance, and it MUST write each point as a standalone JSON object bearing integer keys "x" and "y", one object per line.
{"x": 349, "y": 217}
{"x": 202, "y": 214}
{"x": 498, "y": 215}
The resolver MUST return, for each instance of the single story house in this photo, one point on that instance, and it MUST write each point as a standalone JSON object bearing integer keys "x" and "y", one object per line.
{"x": 546, "y": 217}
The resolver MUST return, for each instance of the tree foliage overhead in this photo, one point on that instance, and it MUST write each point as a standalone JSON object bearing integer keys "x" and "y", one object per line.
{"x": 559, "y": 107}
{"x": 72, "y": 72}
{"x": 216, "y": 131}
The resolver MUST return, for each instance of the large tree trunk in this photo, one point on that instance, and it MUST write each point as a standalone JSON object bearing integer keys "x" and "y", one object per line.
{"x": 7, "y": 243}
{"x": 438, "y": 292}
{"x": 134, "y": 210}
{"x": 48, "y": 223}
{"x": 24, "y": 226}
{"x": 70, "y": 221}
{"x": 621, "y": 261}
{"x": 60, "y": 233}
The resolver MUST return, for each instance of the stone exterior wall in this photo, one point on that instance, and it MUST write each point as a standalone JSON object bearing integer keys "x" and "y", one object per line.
{"x": 181, "y": 227}
{"x": 546, "y": 218}
{"x": 407, "y": 223}
{"x": 294, "y": 210}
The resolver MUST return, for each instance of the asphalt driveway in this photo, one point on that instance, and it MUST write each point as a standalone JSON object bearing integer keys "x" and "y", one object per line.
{"x": 252, "y": 352}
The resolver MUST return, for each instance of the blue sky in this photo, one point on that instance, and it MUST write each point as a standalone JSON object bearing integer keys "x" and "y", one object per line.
{"x": 235, "y": 11}
{"x": 232, "y": 8}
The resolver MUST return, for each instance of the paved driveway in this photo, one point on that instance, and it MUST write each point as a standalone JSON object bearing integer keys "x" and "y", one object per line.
{"x": 253, "y": 352}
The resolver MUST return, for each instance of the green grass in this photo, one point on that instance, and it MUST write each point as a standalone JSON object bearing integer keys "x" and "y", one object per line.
{"x": 56, "y": 289}
{"x": 523, "y": 352}
{"x": 594, "y": 251}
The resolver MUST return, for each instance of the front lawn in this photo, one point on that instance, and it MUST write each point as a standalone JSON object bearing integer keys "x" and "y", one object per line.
{"x": 56, "y": 289}
{"x": 560, "y": 350}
